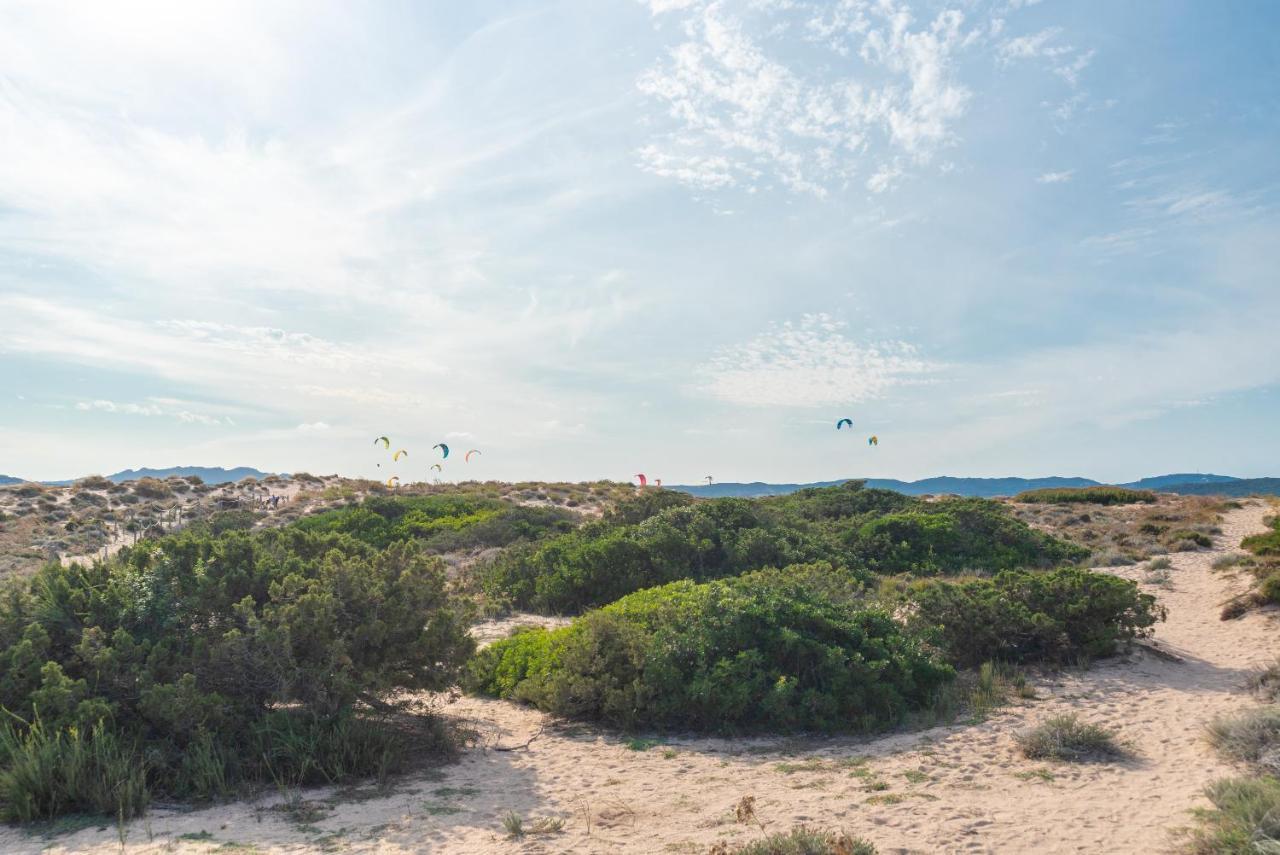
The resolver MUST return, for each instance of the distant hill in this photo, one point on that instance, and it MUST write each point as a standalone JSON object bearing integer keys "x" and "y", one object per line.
{"x": 1192, "y": 483}
{"x": 982, "y": 487}
{"x": 9, "y": 479}
{"x": 1234, "y": 487}
{"x": 208, "y": 474}
{"x": 1163, "y": 482}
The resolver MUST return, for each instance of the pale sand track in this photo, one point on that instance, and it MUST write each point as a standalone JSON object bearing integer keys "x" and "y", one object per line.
{"x": 959, "y": 787}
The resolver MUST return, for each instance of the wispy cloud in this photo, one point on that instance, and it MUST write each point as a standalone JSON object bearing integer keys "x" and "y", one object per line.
{"x": 1055, "y": 177}
{"x": 155, "y": 407}
{"x": 808, "y": 364}
{"x": 743, "y": 114}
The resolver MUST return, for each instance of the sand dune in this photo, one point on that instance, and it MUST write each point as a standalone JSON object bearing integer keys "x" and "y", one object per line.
{"x": 950, "y": 789}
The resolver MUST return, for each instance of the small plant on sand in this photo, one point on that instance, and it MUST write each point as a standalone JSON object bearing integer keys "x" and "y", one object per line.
{"x": 1067, "y": 738}
{"x": 1251, "y": 738}
{"x": 800, "y": 841}
{"x": 516, "y": 828}
{"x": 1267, "y": 682}
{"x": 513, "y": 824}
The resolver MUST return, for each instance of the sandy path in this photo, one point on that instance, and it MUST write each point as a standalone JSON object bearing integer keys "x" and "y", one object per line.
{"x": 952, "y": 789}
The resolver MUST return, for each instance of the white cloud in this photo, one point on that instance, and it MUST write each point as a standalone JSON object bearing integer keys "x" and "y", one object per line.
{"x": 154, "y": 408}
{"x": 884, "y": 178}
{"x": 809, "y": 364}
{"x": 313, "y": 427}
{"x": 1033, "y": 45}
{"x": 743, "y": 112}
{"x": 1055, "y": 177}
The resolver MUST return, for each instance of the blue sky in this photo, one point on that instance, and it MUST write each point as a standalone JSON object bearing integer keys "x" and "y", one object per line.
{"x": 680, "y": 237}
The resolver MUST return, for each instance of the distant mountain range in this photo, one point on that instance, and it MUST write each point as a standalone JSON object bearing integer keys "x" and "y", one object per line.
{"x": 1185, "y": 482}
{"x": 208, "y": 474}
{"x": 1191, "y": 483}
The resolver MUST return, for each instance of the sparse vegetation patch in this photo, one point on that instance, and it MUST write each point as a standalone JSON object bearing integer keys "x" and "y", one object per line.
{"x": 1068, "y": 738}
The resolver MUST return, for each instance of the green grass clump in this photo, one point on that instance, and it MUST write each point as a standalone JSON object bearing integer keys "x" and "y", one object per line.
{"x": 1067, "y": 738}
{"x": 800, "y": 841}
{"x": 761, "y": 651}
{"x": 1086, "y": 495}
{"x": 48, "y": 773}
{"x": 1244, "y": 819}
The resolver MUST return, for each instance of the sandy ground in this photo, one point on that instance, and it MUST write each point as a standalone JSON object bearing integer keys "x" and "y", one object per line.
{"x": 960, "y": 788}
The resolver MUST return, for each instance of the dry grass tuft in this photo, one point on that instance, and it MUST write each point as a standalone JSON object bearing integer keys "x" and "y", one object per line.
{"x": 1067, "y": 738}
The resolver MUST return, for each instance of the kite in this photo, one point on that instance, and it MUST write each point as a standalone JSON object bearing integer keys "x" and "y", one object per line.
{"x": 437, "y": 467}
{"x": 708, "y": 479}
{"x": 444, "y": 450}
{"x": 842, "y": 422}
{"x": 386, "y": 443}
{"x": 657, "y": 482}
{"x": 873, "y": 440}
{"x": 399, "y": 454}
{"x": 396, "y": 479}
{"x": 644, "y": 482}
{"x": 466, "y": 458}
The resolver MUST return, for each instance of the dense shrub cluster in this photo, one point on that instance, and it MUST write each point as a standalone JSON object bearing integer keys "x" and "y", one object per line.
{"x": 1086, "y": 495}
{"x": 646, "y": 544}
{"x": 1265, "y": 568}
{"x": 1018, "y": 616}
{"x": 764, "y": 650}
{"x": 193, "y": 662}
{"x": 440, "y": 522}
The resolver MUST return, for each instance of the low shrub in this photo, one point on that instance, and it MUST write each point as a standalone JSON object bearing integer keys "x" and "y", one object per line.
{"x": 1266, "y": 683}
{"x": 93, "y": 482}
{"x": 1020, "y": 616}
{"x": 1251, "y": 737}
{"x": 1267, "y": 543}
{"x": 1086, "y": 495}
{"x": 1244, "y": 819}
{"x": 800, "y": 841}
{"x": 847, "y": 525}
{"x": 1067, "y": 738}
{"x": 152, "y": 488}
{"x": 954, "y": 536}
{"x": 440, "y": 522}
{"x": 758, "y": 651}
{"x": 236, "y": 658}
{"x": 243, "y": 519}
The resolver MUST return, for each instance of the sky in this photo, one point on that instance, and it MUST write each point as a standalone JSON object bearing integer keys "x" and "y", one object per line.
{"x": 681, "y": 237}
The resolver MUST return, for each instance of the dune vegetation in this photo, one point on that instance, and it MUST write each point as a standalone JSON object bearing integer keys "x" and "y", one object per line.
{"x": 243, "y": 648}
{"x": 1100, "y": 495}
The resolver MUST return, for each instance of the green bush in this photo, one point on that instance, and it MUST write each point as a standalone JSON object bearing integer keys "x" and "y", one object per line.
{"x": 1019, "y": 616}
{"x": 238, "y": 520}
{"x": 953, "y": 536}
{"x": 209, "y": 656}
{"x": 1086, "y": 495}
{"x": 1267, "y": 543}
{"x": 847, "y": 525}
{"x": 440, "y": 522}
{"x": 758, "y": 651}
